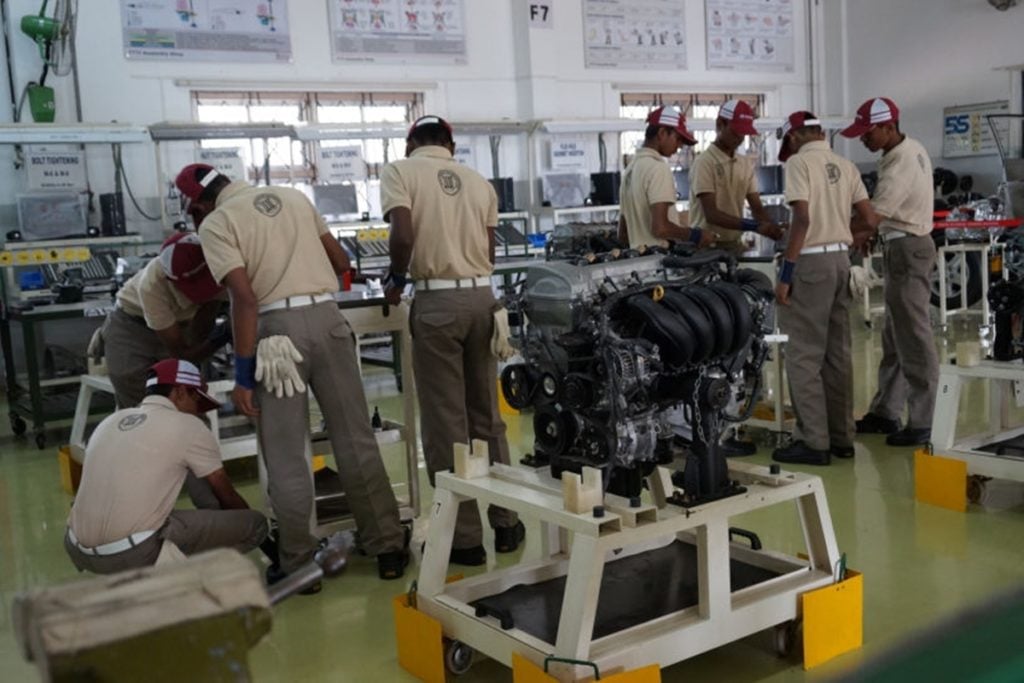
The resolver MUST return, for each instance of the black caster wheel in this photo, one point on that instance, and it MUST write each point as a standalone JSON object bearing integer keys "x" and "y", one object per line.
{"x": 18, "y": 426}
{"x": 786, "y": 638}
{"x": 458, "y": 657}
{"x": 41, "y": 441}
{"x": 976, "y": 487}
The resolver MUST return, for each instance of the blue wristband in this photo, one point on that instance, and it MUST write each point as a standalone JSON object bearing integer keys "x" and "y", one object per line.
{"x": 786, "y": 272}
{"x": 696, "y": 234}
{"x": 748, "y": 225}
{"x": 245, "y": 371}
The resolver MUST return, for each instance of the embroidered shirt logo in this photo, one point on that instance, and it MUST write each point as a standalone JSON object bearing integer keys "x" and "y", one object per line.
{"x": 130, "y": 422}
{"x": 450, "y": 182}
{"x": 267, "y": 204}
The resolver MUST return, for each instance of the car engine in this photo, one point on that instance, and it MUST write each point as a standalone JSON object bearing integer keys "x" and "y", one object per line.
{"x": 612, "y": 344}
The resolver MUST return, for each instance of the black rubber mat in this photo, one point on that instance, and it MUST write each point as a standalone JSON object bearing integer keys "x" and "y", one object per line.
{"x": 634, "y": 590}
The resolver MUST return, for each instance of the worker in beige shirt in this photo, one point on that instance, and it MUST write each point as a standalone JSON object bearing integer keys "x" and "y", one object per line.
{"x": 135, "y": 464}
{"x": 722, "y": 180}
{"x": 167, "y": 309}
{"x": 813, "y": 291}
{"x": 647, "y": 195}
{"x": 274, "y": 253}
{"x": 443, "y": 216}
{"x": 904, "y": 199}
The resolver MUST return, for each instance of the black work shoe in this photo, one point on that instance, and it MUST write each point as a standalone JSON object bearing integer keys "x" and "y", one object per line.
{"x": 391, "y": 565}
{"x": 909, "y": 437}
{"x": 275, "y": 575}
{"x": 876, "y": 424}
{"x": 508, "y": 538}
{"x": 469, "y": 557}
{"x": 841, "y": 451}
{"x": 736, "y": 448}
{"x": 800, "y": 453}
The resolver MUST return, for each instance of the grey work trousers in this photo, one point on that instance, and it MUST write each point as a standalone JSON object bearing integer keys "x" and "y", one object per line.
{"x": 908, "y": 375}
{"x": 193, "y": 531}
{"x": 325, "y": 340}
{"x": 456, "y": 381}
{"x": 131, "y": 348}
{"x": 818, "y": 361}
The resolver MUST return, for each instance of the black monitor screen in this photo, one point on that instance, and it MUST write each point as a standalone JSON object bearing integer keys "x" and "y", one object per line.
{"x": 769, "y": 179}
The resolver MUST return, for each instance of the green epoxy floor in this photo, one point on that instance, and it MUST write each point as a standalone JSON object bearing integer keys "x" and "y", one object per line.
{"x": 921, "y": 564}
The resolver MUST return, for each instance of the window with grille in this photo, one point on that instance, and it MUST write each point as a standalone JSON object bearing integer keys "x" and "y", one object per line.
{"x": 292, "y": 162}
{"x": 695, "y": 106}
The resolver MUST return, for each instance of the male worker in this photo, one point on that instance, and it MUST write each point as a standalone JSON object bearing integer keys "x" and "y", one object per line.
{"x": 165, "y": 310}
{"x": 647, "y": 217}
{"x": 720, "y": 182}
{"x": 274, "y": 253}
{"x": 813, "y": 291}
{"x": 904, "y": 199}
{"x": 443, "y": 216}
{"x": 135, "y": 465}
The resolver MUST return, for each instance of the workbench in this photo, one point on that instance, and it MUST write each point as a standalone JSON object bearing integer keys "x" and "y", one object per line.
{"x": 28, "y": 398}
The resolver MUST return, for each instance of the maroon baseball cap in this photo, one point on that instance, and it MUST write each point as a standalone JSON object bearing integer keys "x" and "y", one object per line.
{"x": 671, "y": 117}
{"x": 183, "y": 263}
{"x": 873, "y": 112}
{"x": 740, "y": 116}
{"x": 181, "y": 373}
{"x": 193, "y": 180}
{"x": 795, "y": 121}
{"x": 429, "y": 120}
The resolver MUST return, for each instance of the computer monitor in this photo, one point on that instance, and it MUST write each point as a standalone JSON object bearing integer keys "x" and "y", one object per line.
{"x": 769, "y": 179}
{"x": 336, "y": 200}
{"x": 566, "y": 190}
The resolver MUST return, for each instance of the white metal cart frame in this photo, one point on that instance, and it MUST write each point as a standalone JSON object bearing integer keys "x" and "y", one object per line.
{"x": 577, "y": 546}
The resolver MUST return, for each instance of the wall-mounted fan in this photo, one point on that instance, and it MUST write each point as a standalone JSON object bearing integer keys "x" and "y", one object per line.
{"x": 54, "y": 33}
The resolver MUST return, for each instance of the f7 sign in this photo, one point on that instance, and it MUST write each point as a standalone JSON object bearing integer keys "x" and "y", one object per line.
{"x": 540, "y": 15}
{"x": 966, "y": 131}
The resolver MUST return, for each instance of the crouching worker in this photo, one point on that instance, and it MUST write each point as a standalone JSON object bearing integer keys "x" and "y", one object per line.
{"x": 135, "y": 464}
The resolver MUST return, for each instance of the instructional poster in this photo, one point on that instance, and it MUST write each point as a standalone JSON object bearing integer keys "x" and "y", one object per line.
{"x": 634, "y": 34}
{"x": 398, "y": 31}
{"x": 206, "y": 30}
{"x": 966, "y": 131}
{"x": 750, "y": 35}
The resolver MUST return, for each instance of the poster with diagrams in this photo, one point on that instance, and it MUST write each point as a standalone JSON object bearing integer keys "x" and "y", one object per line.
{"x": 206, "y": 30}
{"x": 398, "y": 31}
{"x": 750, "y": 35}
{"x": 634, "y": 34}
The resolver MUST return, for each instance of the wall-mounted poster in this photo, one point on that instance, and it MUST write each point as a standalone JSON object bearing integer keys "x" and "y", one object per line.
{"x": 634, "y": 34}
{"x": 966, "y": 131}
{"x": 750, "y": 35}
{"x": 398, "y": 31}
{"x": 206, "y": 30}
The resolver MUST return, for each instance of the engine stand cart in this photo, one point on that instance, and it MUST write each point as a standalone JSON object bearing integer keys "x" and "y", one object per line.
{"x": 623, "y": 584}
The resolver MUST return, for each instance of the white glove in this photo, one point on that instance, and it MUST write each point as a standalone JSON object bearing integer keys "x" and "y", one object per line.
{"x": 860, "y": 282}
{"x": 500, "y": 346}
{"x": 96, "y": 345}
{"x": 276, "y": 359}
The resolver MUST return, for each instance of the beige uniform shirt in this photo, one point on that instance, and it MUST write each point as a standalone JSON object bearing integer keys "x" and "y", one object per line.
{"x": 452, "y": 206}
{"x": 150, "y": 295}
{"x": 830, "y": 185}
{"x": 135, "y": 465}
{"x": 646, "y": 181}
{"x": 730, "y": 179}
{"x": 905, "y": 194}
{"x": 272, "y": 232}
